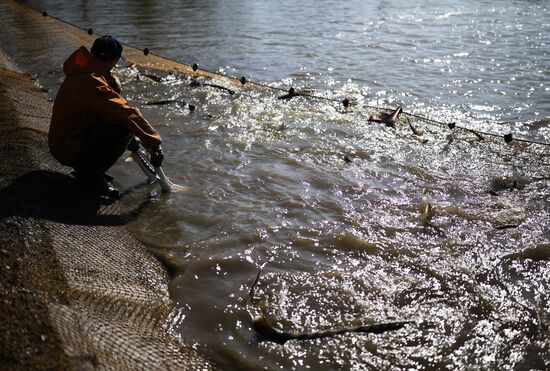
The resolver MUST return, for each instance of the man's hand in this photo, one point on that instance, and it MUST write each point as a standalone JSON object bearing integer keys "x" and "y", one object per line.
{"x": 133, "y": 145}
{"x": 157, "y": 157}
{"x": 117, "y": 86}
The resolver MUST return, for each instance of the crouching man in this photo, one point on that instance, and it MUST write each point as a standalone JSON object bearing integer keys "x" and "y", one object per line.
{"x": 92, "y": 124}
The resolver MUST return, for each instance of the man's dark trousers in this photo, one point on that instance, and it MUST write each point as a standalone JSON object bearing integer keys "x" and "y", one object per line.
{"x": 103, "y": 145}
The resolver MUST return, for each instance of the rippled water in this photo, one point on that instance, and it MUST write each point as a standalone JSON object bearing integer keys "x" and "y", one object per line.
{"x": 338, "y": 242}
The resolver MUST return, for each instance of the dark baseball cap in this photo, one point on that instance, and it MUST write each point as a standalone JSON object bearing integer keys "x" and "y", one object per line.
{"x": 106, "y": 48}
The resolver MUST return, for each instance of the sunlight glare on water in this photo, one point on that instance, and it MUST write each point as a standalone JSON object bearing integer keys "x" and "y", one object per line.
{"x": 332, "y": 208}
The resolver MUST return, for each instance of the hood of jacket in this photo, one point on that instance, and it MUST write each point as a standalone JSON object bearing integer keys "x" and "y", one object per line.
{"x": 81, "y": 61}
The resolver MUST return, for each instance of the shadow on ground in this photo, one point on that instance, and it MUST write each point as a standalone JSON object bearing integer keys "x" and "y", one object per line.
{"x": 55, "y": 196}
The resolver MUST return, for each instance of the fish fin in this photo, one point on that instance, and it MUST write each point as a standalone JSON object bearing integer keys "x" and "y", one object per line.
{"x": 395, "y": 114}
{"x": 426, "y": 211}
{"x": 479, "y": 137}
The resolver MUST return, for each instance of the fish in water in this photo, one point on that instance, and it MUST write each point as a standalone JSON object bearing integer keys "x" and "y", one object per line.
{"x": 195, "y": 83}
{"x": 427, "y": 212}
{"x": 479, "y": 137}
{"x": 517, "y": 181}
{"x": 154, "y": 174}
{"x": 538, "y": 253}
{"x": 152, "y": 77}
{"x": 387, "y": 118}
{"x": 267, "y": 332}
{"x": 414, "y": 130}
{"x": 506, "y": 226}
{"x": 282, "y": 127}
{"x": 164, "y": 102}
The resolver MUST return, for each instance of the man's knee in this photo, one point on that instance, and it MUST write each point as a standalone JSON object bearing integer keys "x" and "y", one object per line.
{"x": 104, "y": 144}
{"x": 109, "y": 131}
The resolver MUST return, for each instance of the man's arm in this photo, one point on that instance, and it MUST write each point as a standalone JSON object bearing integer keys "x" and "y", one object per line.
{"x": 112, "y": 107}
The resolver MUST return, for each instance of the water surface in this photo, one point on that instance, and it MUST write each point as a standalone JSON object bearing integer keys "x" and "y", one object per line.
{"x": 342, "y": 242}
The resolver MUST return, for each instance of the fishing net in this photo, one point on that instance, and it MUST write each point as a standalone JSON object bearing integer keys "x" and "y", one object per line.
{"x": 52, "y": 40}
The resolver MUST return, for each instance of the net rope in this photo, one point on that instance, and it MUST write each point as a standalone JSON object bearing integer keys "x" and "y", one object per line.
{"x": 162, "y": 63}
{"x": 145, "y": 58}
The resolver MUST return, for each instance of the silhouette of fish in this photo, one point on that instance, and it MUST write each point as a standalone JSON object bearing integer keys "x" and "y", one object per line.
{"x": 195, "y": 83}
{"x": 267, "y": 332}
{"x": 414, "y": 130}
{"x": 387, "y": 118}
{"x": 426, "y": 211}
{"x": 164, "y": 102}
{"x": 479, "y": 137}
{"x": 152, "y": 77}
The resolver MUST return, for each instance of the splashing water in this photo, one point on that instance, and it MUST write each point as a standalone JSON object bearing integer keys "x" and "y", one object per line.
{"x": 325, "y": 202}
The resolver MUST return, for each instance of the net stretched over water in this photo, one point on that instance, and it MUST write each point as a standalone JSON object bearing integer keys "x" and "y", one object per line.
{"x": 54, "y": 39}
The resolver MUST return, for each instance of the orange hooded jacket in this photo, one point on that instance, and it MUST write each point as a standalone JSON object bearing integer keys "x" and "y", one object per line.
{"x": 85, "y": 95}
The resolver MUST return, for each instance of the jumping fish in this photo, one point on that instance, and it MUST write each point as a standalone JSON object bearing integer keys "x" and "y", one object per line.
{"x": 387, "y": 118}
{"x": 414, "y": 130}
{"x": 427, "y": 212}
